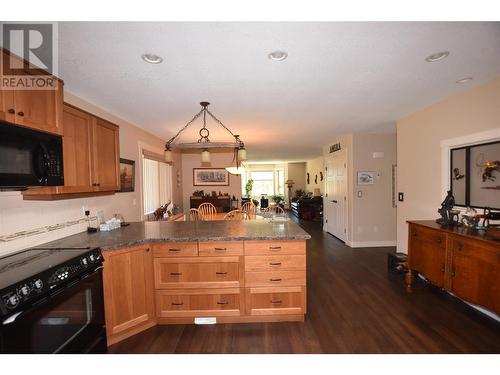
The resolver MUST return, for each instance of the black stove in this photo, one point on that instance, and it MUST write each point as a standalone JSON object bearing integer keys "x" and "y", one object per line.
{"x": 51, "y": 301}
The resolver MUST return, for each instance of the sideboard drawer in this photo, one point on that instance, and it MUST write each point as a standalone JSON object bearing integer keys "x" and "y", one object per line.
{"x": 197, "y": 272}
{"x": 275, "y": 247}
{"x": 197, "y": 303}
{"x": 275, "y": 262}
{"x": 175, "y": 249}
{"x": 221, "y": 248}
{"x": 275, "y": 278}
{"x": 275, "y": 301}
{"x": 436, "y": 238}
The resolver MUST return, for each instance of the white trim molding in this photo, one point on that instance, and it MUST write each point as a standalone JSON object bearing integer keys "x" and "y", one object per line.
{"x": 356, "y": 244}
{"x": 470, "y": 139}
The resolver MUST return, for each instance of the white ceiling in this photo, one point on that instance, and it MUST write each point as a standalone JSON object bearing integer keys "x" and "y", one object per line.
{"x": 339, "y": 77}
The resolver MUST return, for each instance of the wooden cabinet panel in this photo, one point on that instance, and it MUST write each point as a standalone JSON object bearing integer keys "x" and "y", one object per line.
{"x": 221, "y": 248}
{"x": 198, "y": 272}
{"x": 128, "y": 292}
{"x": 106, "y": 156}
{"x": 275, "y": 247}
{"x": 275, "y": 262}
{"x": 198, "y": 303}
{"x": 275, "y": 278}
{"x": 427, "y": 253}
{"x": 275, "y": 301}
{"x": 175, "y": 249}
{"x": 475, "y": 274}
{"x": 77, "y": 150}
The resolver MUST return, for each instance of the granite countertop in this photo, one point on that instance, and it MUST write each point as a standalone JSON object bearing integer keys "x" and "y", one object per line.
{"x": 177, "y": 231}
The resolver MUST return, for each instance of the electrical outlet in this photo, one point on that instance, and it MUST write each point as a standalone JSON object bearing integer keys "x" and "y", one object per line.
{"x": 84, "y": 210}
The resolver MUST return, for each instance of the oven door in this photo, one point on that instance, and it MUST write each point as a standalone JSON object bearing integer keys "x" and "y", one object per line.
{"x": 29, "y": 157}
{"x": 71, "y": 321}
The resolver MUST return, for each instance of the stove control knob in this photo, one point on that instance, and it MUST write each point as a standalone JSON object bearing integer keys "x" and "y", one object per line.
{"x": 25, "y": 290}
{"x": 13, "y": 301}
{"x": 38, "y": 284}
{"x": 84, "y": 261}
{"x": 92, "y": 258}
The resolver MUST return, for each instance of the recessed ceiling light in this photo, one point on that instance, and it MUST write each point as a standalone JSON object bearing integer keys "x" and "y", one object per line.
{"x": 437, "y": 56}
{"x": 464, "y": 80}
{"x": 152, "y": 58}
{"x": 278, "y": 55}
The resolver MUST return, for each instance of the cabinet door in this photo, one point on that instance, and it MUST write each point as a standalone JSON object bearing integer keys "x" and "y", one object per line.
{"x": 427, "y": 253}
{"x": 128, "y": 292}
{"x": 105, "y": 156}
{"x": 475, "y": 275}
{"x": 77, "y": 150}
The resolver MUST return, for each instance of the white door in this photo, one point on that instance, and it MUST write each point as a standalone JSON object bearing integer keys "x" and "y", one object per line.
{"x": 336, "y": 195}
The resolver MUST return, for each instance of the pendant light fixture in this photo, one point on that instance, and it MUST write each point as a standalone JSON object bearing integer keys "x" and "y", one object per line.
{"x": 204, "y": 142}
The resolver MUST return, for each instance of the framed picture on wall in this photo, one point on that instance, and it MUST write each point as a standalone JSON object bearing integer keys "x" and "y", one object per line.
{"x": 127, "y": 175}
{"x": 210, "y": 177}
{"x": 366, "y": 178}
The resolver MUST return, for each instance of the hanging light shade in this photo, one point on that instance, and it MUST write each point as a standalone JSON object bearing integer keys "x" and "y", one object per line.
{"x": 235, "y": 170}
{"x": 205, "y": 156}
{"x": 204, "y": 142}
{"x": 168, "y": 155}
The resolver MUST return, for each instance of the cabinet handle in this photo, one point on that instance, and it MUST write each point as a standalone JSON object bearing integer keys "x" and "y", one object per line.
{"x": 220, "y": 249}
{"x": 452, "y": 271}
{"x": 275, "y": 280}
{"x": 414, "y": 233}
{"x": 442, "y": 267}
{"x": 175, "y": 273}
{"x": 147, "y": 250}
{"x": 11, "y": 111}
{"x": 276, "y": 301}
{"x": 221, "y": 273}
{"x": 274, "y": 247}
{"x": 459, "y": 246}
{"x": 177, "y": 304}
{"x": 275, "y": 264}
{"x": 174, "y": 250}
{"x": 439, "y": 240}
{"x": 222, "y": 302}
{"x": 20, "y": 114}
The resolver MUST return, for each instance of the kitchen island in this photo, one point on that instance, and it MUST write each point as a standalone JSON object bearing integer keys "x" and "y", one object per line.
{"x": 191, "y": 272}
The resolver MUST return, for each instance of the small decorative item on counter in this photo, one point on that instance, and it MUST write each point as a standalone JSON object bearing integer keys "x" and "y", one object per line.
{"x": 110, "y": 224}
{"x": 487, "y": 216}
{"x": 448, "y": 215}
{"x": 470, "y": 218}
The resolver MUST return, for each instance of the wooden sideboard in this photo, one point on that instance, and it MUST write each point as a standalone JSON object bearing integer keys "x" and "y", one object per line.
{"x": 233, "y": 281}
{"x": 221, "y": 203}
{"x": 463, "y": 261}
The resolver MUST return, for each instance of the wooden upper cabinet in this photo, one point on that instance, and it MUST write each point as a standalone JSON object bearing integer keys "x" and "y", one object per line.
{"x": 77, "y": 150}
{"x": 37, "y": 109}
{"x": 105, "y": 156}
{"x": 128, "y": 292}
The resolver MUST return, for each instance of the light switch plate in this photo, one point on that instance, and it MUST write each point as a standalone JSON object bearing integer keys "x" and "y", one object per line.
{"x": 205, "y": 320}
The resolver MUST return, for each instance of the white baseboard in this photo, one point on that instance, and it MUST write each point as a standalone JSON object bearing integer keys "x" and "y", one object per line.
{"x": 371, "y": 243}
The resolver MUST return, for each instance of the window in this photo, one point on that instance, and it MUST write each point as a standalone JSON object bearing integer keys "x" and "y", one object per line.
{"x": 156, "y": 183}
{"x": 280, "y": 182}
{"x": 263, "y": 183}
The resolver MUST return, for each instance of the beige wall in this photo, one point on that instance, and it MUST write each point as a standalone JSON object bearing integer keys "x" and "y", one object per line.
{"x": 297, "y": 173}
{"x": 419, "y": 151}
{"x": 17, "y": 215}
{"x": 313, "y": 167}
{"x": 218, "y": 160}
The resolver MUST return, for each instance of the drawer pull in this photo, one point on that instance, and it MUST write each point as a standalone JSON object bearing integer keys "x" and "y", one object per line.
{"x": 459, "y": 246}
{"x": 442, "y": 267}
{"x": 11, "y": 111}
{"x": 453, "y": 271}
{"x": 439, "y": 240}
{"x": 222, "y": 302}
{"x": 20, "y": 114}
{"x": 275, "y": 264}
{"x": 221, "y": 273}
{"x": 177, "y": 303}
{"x": 275, "y": 248}
{"x": 175, "y": 273}
{"x": 220, "y": 249}
{"x": 276, "y": 301}
{"x": 275, "y": 280}
{"x": 174, "y": 249}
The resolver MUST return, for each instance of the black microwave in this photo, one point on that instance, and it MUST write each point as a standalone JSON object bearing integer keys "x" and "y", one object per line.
{"x": 29, "y": 157}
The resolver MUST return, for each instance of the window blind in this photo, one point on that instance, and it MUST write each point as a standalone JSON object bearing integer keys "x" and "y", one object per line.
{"x": 156, "y": 181}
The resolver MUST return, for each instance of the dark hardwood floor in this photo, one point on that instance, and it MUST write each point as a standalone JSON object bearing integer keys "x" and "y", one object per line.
{"x": 354, "y": 306}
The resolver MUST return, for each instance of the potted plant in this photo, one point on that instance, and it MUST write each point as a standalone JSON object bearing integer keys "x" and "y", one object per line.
{"x": 249, "y": 187}
{"x": 278, "y": 199}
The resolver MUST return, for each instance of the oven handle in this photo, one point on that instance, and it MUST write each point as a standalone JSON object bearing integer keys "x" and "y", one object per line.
{"x": 11, "y": 319}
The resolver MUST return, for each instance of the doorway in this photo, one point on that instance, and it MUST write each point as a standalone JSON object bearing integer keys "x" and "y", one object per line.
{"x": 336, "y": 195}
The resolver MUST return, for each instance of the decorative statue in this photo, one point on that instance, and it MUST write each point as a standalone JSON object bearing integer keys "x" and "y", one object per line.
{"x": 448, "y": 216}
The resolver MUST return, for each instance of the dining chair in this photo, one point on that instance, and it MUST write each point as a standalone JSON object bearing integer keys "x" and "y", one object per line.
{"x": 235, "y": 215}
{"x": 208, "y": 211}
{"x": 195, "y": 215}
{"x": 250, "y": 210}
{"x": 277, "y": 210}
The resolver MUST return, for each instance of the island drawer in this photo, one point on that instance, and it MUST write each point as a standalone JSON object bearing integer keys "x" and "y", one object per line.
{"x": 275, "y": 262}
{"x": 198, "y": 303}
{"x": 197, "y": 272}
{"x": 221, "y": 248}
{"x": 275, "y": 301}
{"x": 275, "y": 278}
{"x": 275, "y": 247}
{"x": 175, "y": 249}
